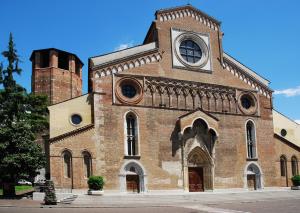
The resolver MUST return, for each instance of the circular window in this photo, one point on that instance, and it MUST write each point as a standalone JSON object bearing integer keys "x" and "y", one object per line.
{"x": 283, "y": 132}
{"x": 76, "y": 119}
{"x": 129, "y": 90}
{"x": 247, "y": 103}
{"x": 190, "y": 51}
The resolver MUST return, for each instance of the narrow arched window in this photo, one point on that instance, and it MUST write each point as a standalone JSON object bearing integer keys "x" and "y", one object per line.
{"x": 67, "y": 157}
{"x": 87, "y": 164}
{"x": 251, "y": 143}
{"x": 294, "y": 166}
{"x": 131, "y": 135}
{"x": 283, "y": 166}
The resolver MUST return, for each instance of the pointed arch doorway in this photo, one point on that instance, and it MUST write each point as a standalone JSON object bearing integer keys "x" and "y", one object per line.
{"x": 198, "y": 135}
{"x": 199, "y": 171}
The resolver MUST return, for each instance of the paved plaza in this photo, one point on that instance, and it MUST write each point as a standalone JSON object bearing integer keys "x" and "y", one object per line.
{"x": 235, "y": 202}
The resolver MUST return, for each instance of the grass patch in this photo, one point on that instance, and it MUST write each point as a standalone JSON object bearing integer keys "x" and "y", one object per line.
{"x": 19, "y": 189}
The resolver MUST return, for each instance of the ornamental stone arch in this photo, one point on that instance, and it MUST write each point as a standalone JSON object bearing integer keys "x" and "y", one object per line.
{"x": 253, "y": 169}
{"x": 133, "y": 167}
{"x": 198, "y": 144}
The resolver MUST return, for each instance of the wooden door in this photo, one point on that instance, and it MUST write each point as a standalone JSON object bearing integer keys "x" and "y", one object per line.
{"x": 132, "y": 182}
{"x": 251, "y": 181}
{"x": 196, "y": 179}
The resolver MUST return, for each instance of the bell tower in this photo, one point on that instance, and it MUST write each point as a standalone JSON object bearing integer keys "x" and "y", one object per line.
{"x": 57, "y": 74}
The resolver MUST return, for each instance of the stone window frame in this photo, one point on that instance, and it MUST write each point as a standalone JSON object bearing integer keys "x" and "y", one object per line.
{"x": 255, "y": 157}
{"x": 71, "y": 122}
{"x": 87, "y": 153}
{"x": 283, "y": 166}
{"x": 294, "y": 165}
{"x": 199, "y": 41}
{"x": 137, "y": 135}
{"x": 67, "y": 172}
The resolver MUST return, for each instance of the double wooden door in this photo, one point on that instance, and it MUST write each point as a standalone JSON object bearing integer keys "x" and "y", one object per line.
{"x": 196, "y": 179}
{"x": 132, "y": 182}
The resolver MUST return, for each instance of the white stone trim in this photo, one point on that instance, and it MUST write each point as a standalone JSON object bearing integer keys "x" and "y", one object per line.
{"x": 202, "y": 40}
{"x": 187, "y": 12}
{"x": 259, "y": 176}
{"x": 100, "y": 60}
{"x": 140, "y": 171}
{"x": 248, "y": 76}
{"x": 133, "y": 63}
{"x": 137, "y": 130}
{"x": 199, "y": 41}
{"x": 255, "y": 137}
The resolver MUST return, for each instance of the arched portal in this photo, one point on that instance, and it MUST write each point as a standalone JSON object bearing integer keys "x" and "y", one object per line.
{"x": 132, "y": 177}
{"x": 253, "y": 177}
{"x": 200, "y": 170}
{"x": 198, "y": 153}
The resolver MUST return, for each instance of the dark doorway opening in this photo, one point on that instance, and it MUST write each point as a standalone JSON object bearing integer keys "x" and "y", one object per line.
{"x": 251, "y": 182}
{"x": 132, "y": 183}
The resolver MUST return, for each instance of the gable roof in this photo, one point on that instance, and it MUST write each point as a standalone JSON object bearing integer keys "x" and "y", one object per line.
{"x": 187, "y": 7}
{"x": 247, "y": 70}
{"x": 122, "y": 54}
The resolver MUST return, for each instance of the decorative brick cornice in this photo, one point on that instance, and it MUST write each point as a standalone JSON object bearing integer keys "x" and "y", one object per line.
{"x": 187, "y": 11}
{"x": 127, "y": 64}
{"x": 247, "y": 78}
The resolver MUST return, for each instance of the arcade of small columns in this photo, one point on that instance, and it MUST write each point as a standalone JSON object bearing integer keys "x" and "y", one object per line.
{"x": 161, "y": 92}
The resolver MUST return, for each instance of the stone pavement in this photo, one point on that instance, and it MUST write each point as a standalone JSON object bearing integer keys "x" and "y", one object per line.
{"x": 24, "y": 202}
{"x": 203, "y": 198}
{"x": 217, "y": 202}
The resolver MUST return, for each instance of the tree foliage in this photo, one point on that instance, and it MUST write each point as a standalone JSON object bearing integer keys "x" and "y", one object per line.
{"x": 22, "y": 116}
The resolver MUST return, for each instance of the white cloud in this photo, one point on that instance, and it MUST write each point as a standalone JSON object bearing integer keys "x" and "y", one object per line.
{"x": 288, "y": 92}
{"x": 297, "y": 121}
{"x": 124, "y": 46}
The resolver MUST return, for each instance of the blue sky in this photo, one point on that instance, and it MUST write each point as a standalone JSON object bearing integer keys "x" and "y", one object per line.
{"x": 262, "y": 34}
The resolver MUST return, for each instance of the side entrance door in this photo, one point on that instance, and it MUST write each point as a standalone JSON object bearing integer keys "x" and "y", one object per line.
{"x": 251, "y": 182}
{"x": 132, "y": 182}
{"x": 196, "y": 179}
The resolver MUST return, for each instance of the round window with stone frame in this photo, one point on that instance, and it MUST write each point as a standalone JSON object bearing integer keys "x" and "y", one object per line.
{"x": 247, "y": 103}
{"x": 283, "y": 132}
{"x": 76, "y": 119}
{"x": 129, "y": 90}
{"x": 191, "y": 50}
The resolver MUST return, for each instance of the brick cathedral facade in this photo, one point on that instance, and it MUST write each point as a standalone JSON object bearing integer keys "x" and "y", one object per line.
{"x": 174, "y": 113}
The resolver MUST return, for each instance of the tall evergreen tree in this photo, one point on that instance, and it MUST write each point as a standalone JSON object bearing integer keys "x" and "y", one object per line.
{"x": 22, "y": 116}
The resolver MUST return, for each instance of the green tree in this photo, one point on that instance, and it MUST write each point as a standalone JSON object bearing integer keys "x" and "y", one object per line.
{"x": 22, "y": 117}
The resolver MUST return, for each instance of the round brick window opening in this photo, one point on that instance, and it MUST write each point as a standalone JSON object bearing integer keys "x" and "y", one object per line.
{"x": 129, "y": 91}
{"x": 247, "y": 103}
{"x": 76, "y": 119}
